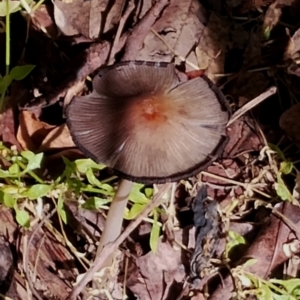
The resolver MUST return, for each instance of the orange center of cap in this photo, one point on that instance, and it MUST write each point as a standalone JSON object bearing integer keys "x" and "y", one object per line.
{"x": 151, "y": 110}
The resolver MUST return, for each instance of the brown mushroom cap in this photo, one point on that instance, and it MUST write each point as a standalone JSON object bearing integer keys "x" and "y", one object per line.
{"x": 148, "y": 126}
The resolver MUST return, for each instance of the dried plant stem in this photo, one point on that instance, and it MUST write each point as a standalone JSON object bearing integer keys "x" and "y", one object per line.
{"x": 114, "y": 220}
{"x": 271, "y": 91}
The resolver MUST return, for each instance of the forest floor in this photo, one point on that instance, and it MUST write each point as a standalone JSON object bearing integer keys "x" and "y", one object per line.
{"x": 231, "y": 232}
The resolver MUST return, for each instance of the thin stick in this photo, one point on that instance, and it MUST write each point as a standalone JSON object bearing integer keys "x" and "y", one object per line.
{"x": 271, "y": 91}
{"x": 112, "y": 247}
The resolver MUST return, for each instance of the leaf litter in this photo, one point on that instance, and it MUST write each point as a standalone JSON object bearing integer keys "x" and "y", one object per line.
{"x": 245, "y": 47}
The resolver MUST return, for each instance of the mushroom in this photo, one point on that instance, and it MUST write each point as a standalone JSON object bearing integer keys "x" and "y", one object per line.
{"x": 149, "y": 126}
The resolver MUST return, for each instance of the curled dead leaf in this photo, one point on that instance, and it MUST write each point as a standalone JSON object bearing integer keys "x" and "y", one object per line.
{"x": 58, "y": 138}
{"x": 31, "y": 131}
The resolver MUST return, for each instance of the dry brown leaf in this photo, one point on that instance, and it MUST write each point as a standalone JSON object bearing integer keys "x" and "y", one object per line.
{"x": 58, "y": 138}
{"x": 71, "y": 18}
{"x": 180, "y": 26}
{"x": 7, "y": 127}
{"x": 31, "y": 131}
{"x": 114, "y": 15}
{"x": 293, "y": 48}
{"x": 267, "y": 249}
{"x": 272, "y": 17}
{"x": 42, "y": 20}
{"x": 159, "y": 273}
{"x": 212, "y": 46}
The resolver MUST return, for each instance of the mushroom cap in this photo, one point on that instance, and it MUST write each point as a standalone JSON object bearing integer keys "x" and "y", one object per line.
{"x": 147, "y": 125}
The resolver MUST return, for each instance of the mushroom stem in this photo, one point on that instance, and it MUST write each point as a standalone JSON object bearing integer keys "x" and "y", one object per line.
{"x": 114, "y": 220}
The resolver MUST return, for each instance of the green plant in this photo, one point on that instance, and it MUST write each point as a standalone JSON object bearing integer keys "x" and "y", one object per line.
{"x": 20, "y": 72}
{"x": 272, "y": 289}
{"x": 20, "y": 184}
{"x": 286, "y": 167}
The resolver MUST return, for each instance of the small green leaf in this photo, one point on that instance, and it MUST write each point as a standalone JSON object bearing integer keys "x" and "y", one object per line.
{"x": 134, "y": 211}
{"x": 14, "y": 169}
{"x": 10, "y": 189}
{"x": 22, "y": 218}
{"x": 34, "y": 160}
{"x": 83, "y": 165}
{"x": 7, "y": 199}
{"x": 28, "y": 155}
{"x": 250, "y": 262}
{"x": 277, "y": 150}
{"x": 92, "y": 178}
{"x": 38, "y": 190}
{"x": 282, "y": 297}
{"x": 13, "y": 7}
{"x": 292, "y": 285}
{"x": 4, "y": 174}
{"x": 234, "y": 240}
{"x": 267, "y": 33}
{"x": 264, "y": 293}
{"x": 61, "y": 209}
{"x": 286, "y": 167}
{"x": 107, "y": 187}
{"x": 20, "y": 72}
{"x": 69, "y": 169}
{"x": 5, "y": 82}
{"x": 94, "y": 203}
{"x": 136, "y": 195}
{"x": 154, "y": 234}
{"x": 149, "y": 192}
{"x": 3, "y": 86}
{"x": 282, "y": 191}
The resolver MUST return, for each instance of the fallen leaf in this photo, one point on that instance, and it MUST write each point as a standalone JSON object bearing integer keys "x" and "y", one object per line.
{"x": 159, "y": 274}
{"x": 7, "y": 127}
{"x": 212, "y": 45}
{"x": 180, "y": 27}
{"x": 87, "y": 17}
{"x": 42, "y": 20}
{"x": 31, "y": 131}
{"x": 267, "y": 249}
{"x": 58, "y": 138}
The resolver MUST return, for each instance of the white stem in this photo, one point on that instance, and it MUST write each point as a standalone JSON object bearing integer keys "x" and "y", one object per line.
{"x": 114, "y": 220}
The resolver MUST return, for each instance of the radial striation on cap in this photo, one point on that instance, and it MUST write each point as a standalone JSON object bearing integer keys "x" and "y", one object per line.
{"x": 148, "y": 126}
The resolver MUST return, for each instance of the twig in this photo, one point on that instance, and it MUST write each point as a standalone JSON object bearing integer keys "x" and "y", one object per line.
{"x": 271, "y": 91}
{"x": 246, "y": 186}
{"x": 112, "y": 247}
{"x": 287, "y": 221}
{"x": 136, "y": 39}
